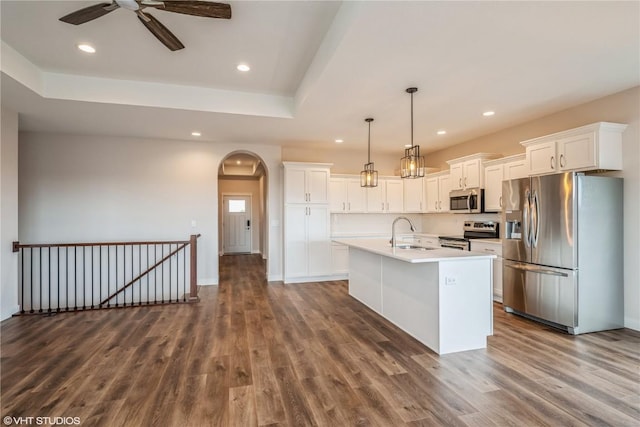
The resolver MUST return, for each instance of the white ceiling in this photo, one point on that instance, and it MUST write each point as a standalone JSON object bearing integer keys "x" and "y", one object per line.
{"x": 318, "y": 69}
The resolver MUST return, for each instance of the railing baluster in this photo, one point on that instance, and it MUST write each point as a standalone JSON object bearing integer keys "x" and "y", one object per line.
{"x": 92, "y": 279}
{"x": 162, "y": 272}
{"x": 75, "y": 278}
{"x": 22, "y": 281}
{"x": 155, "y": 276}
{"x": 58, "y": 262}
{"x": 49, "y": 282}
{"x": 184, "y": 274}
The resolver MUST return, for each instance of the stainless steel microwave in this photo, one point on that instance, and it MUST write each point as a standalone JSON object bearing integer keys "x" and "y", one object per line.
{"x": 470, "y": 200}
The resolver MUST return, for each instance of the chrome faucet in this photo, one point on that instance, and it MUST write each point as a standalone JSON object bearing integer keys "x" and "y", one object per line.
{"x": 393, "y": 229}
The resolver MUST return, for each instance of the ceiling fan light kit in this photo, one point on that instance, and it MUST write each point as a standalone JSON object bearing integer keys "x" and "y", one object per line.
{"x": 204, "y": 9}
{"x": 369, "y": 176}
{"x": 412, "y": 165}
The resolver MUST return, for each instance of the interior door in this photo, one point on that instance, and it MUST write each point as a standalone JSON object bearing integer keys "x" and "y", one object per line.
{"x": 236, "y": 223}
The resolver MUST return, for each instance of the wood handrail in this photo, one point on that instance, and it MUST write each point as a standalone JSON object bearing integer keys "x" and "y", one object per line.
{"x": 17, "y": 245}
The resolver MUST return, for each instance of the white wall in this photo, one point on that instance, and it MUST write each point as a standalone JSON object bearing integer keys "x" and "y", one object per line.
{"x": 371, "y": 224}
{"x": 92, "y": 188}
{"x": 8, "y": 213}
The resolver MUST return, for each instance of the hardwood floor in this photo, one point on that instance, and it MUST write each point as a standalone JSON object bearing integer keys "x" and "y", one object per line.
{"x": 307, "y": 354}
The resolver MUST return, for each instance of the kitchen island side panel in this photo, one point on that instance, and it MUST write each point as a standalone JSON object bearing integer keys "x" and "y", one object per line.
{"x": 365, "y": 278}
{"x": 410, "y": 299}
{"x": 466, "y": 304}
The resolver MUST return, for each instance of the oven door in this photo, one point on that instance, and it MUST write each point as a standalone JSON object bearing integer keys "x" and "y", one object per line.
{"x": 454, "y": 244}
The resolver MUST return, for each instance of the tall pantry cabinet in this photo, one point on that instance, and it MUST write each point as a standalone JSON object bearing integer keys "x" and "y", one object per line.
{"x": 307, "y": 243}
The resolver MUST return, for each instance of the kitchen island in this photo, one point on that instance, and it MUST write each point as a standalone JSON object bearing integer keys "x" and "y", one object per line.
{"x": 442, "y": 297}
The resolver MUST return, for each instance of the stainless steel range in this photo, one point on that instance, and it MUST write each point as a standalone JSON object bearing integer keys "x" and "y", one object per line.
{"x": 472, "y": 230}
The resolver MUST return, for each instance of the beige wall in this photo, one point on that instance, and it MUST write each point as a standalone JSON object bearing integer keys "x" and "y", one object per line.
{"x": 344, "y": 160}
{"x": 623, "y": 107}
{"x": 243, "y": 187}
{"x": 8, "y": 213}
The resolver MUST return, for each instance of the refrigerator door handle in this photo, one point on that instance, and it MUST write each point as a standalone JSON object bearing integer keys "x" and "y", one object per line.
{"x": 525, "y": 219}
{"x": 535, "y": 220}
{"x": 534, "y": 269}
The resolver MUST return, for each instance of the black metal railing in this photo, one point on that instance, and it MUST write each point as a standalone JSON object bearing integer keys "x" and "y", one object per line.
{"x": 87, "y": 276}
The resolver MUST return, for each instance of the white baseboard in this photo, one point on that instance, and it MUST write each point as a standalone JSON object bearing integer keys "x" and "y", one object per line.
{"x": 311, "y": 279}
{"x": 632, "y": 323}
{"x": 274, "y": 278}
{"x": 208, "y": 281}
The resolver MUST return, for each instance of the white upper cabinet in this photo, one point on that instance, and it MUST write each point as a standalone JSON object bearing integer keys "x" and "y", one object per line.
{"x": 414, "y": 195}
{"x": 496, "y": 171}
{"x": 592, "y": 147}
{"x": 306, "y": 182}
{"x": 437, "y": 192}
{"x": 346, "y": 195}
{"x": 386, "y": 197}
{"x": 468, "y": 172}
{"x": 493, "y": 175}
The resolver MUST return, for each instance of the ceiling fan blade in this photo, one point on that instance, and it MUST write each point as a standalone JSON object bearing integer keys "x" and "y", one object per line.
{"x": 160, "y": 31}
{"x": 196, "y": 8}
{"x": 88, "y": 13}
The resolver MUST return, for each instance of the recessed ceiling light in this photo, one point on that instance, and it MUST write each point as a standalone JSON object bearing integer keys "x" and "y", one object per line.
{"x": 195, "y": 133}
{"x": 488, "y": 113}
{"x": 339, "y": 141}
{"x": 243, "y": 67}
{"x": 238, "y": 162}
{"x": 86, "y": 48}
{"x": 442, "y": 132}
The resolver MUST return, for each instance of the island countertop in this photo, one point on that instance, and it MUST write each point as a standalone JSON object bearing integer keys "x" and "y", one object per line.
{"x": 419, "y": 255}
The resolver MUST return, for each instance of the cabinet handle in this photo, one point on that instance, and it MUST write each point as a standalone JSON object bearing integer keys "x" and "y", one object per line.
{"x": 460, "y": 182}
{"x": 488, "y": 250}
{"x": 465, "y": 182}
{"x": 553, "y": 162}
{"x": 561, "y": 160}
{"x": 420, "y": 205}
{"x": 342, "y": 205}
{"x": 387, "y": 205}
{"x": 382, "y": 205}
{"x": 500, "y": 201}
{"x": 349, "y": 204}
{"x": 440, "y": 205}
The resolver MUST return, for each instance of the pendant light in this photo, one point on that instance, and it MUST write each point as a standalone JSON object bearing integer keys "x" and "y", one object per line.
{"x": 412, "y": 164}
{"x": 369, "y": 176}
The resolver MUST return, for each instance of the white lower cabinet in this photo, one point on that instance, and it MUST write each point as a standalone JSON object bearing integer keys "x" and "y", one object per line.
{"x": 307, "y": 245}
{"x": 339, "y": 261}
{"x": 496, "y": 249}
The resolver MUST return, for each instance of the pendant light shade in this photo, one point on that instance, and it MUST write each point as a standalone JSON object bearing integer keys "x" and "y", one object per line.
{"x": 412, "y": 164}
{"x": 369, "y": 176}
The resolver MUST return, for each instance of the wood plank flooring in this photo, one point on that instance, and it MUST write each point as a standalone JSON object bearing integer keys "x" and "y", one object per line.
{"x": 302, "y": 355}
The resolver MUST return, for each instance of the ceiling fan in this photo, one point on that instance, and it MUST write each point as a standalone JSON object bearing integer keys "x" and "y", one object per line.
{"x": 196, "y": 8}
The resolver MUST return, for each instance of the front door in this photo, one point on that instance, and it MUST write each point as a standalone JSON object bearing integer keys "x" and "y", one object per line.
{"x": 236, "y": 223}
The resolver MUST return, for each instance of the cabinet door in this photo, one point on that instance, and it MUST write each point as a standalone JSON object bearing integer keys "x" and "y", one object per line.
{"x": 339, "y": 259}
{"x": 394, "y": 195}
{"x": 456, "y": 176}
{"x": 432, "y": 194}
{"x": 376, "y": 197}
{"x": 493, "y": 188}
{"x": 318, "y": 185}
{"x": 541, "y": 158}
{"x": 515, "y": 170}
{"x": 577, "y": 152}
{"x": 412, "y": 195}
{"x": 296, "y": 241}
{"x": 337, "y": 195}
{"x": 356, "y": 196}
{"x": 472, "y": 174}
{"x": 295, "y": 190}
{"x": 318, "y": 241}
{"x": 444, "y": 186}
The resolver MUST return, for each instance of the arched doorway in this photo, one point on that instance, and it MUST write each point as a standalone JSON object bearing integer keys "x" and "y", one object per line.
{"x": 242, "y": 205}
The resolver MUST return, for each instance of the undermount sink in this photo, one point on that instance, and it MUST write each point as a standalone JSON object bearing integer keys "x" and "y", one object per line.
{"x": 409, "y": 246}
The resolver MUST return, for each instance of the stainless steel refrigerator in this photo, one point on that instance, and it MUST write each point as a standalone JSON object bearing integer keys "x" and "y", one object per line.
{"x": 562, "y": 250}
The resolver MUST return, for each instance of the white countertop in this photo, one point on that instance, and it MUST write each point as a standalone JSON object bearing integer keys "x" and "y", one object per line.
{"x": 382, "y": 247}
{"x": 490, "y": 241}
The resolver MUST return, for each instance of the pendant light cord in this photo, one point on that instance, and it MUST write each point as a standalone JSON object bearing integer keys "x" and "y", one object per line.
{"x": 369, "y": 144}
{"x": 411, "y": 119}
